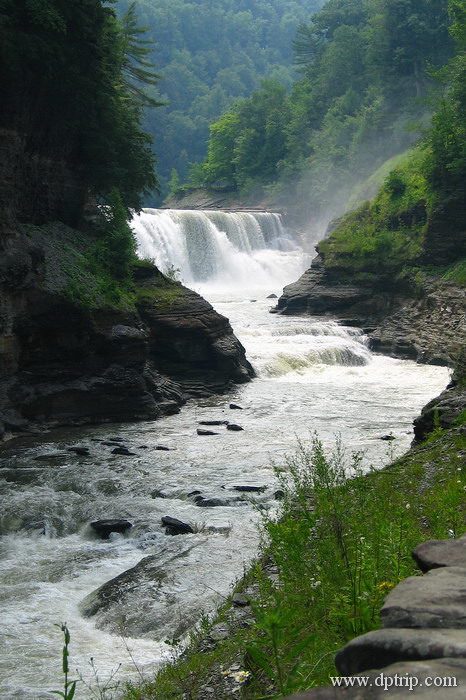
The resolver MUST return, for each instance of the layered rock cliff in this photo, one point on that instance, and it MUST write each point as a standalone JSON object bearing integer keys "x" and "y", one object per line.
{"x": 64, "y": 362}
{"x": 423, "y": 322}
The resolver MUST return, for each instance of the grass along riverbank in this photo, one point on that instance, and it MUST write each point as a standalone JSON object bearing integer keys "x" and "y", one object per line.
{"x": 326, "y": 565}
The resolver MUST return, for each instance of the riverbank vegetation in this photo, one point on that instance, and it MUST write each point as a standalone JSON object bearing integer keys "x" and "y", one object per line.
{"x": 339, "y": 546}
{"x": 415, "y": 223}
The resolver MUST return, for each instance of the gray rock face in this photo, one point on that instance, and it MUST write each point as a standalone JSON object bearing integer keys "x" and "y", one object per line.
{"x": 395, "y": 683}
{"x": 128, "y": 603}
{"x": 64, "y": 364}
{"x": 438, "y": 553}
{"x": 384, "y": 647}
{"x": 435, "y": 600}
{"x": 320, "y": 291}
{"x": 444, "y": 409}
{"x": 429, "y": 327}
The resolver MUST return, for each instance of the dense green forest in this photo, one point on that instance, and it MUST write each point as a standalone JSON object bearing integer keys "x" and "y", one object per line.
{"x": 416, "y": 221}
{"x": 208, "y": 55}
{"x": 68, "y": 87}
{"x": 366, "y": 71}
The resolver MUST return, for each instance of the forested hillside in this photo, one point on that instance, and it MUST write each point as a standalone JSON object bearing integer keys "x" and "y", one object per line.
{"x": 366, "y": 70}
{"x": 209, "y": 54}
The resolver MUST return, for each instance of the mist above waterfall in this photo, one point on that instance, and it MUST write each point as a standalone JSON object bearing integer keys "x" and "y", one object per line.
{"x": 221, "y": 249}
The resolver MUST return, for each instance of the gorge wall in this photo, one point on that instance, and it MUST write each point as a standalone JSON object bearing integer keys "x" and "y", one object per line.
{"x": 64, "y": 362}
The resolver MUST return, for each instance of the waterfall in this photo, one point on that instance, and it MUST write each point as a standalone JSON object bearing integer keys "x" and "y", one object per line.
{"x": 216, "y": 247}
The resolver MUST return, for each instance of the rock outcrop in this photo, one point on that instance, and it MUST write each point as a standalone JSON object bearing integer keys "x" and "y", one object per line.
{"x": 427, "y": 325}
{"x": 445, "y": 410}
{"x": 63, "y": 362}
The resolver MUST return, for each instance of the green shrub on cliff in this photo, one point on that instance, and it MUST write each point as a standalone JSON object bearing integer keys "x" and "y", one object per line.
{"x": 417, "y": 216}
{"x": 386, "y": 233}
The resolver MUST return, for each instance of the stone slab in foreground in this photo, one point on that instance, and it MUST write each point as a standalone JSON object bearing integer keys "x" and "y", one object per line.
{"x": 384, "y": 647}
{"x": 436, "y": 554}
{"x": 435, "y": 600}
{"x": 449, "y": 674}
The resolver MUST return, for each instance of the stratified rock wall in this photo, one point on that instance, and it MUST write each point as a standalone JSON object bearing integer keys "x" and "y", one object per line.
{"x": 425, "y": 324}
{"x": 64, "y": 363}
{"x": 36, "y": 188}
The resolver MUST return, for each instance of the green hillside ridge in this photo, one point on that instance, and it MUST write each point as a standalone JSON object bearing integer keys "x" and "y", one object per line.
{"x": 366, "y": 70}
{"x": 208, "y": 55}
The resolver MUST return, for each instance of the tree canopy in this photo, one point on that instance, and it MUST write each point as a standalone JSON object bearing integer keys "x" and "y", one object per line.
{"x": 210, "y": 54}
{"x": 66, "y": 85}
{"x": 366, "y": 67}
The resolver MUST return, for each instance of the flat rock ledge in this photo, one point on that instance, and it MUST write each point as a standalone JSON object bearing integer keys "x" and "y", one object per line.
{"x": 421, "y": 649}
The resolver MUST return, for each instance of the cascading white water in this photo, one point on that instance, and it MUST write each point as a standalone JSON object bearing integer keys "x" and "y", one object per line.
{"x": 219, "y": 247}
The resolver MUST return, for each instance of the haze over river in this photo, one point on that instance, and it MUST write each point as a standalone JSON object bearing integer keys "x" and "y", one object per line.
{"x": 312, "y": 376}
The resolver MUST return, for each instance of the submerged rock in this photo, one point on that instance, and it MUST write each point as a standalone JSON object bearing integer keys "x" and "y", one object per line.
{"x": 134, "y": 603}
{"x": 81, "y": 451}
{"x": 252, "y": 489}
{"x": 210, "y": 502}
{"x": 234, "y": 406}
{"x": 233, "y": 426}
{"x": 200, "y": 431}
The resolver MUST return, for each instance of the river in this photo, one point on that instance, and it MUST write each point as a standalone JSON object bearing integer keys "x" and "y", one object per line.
{"x": 312, "y": 376}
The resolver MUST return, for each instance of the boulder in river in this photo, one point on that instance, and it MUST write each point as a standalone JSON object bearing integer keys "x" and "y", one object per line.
{"x": 104, "y": 527}
{"x": 210, "y": 502}
{"x": 233, "y": 426}
{"x": 200, "y": 431}
{"x": 272, "y": 296}
{"x": 122, "y": 451}
{"x": 81, "y": 451}
{"x": 235, "y": 406}
{"x": 173, "y": 526}
{"x": 213, "y": 422}
{"x": 250, "y": 489}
